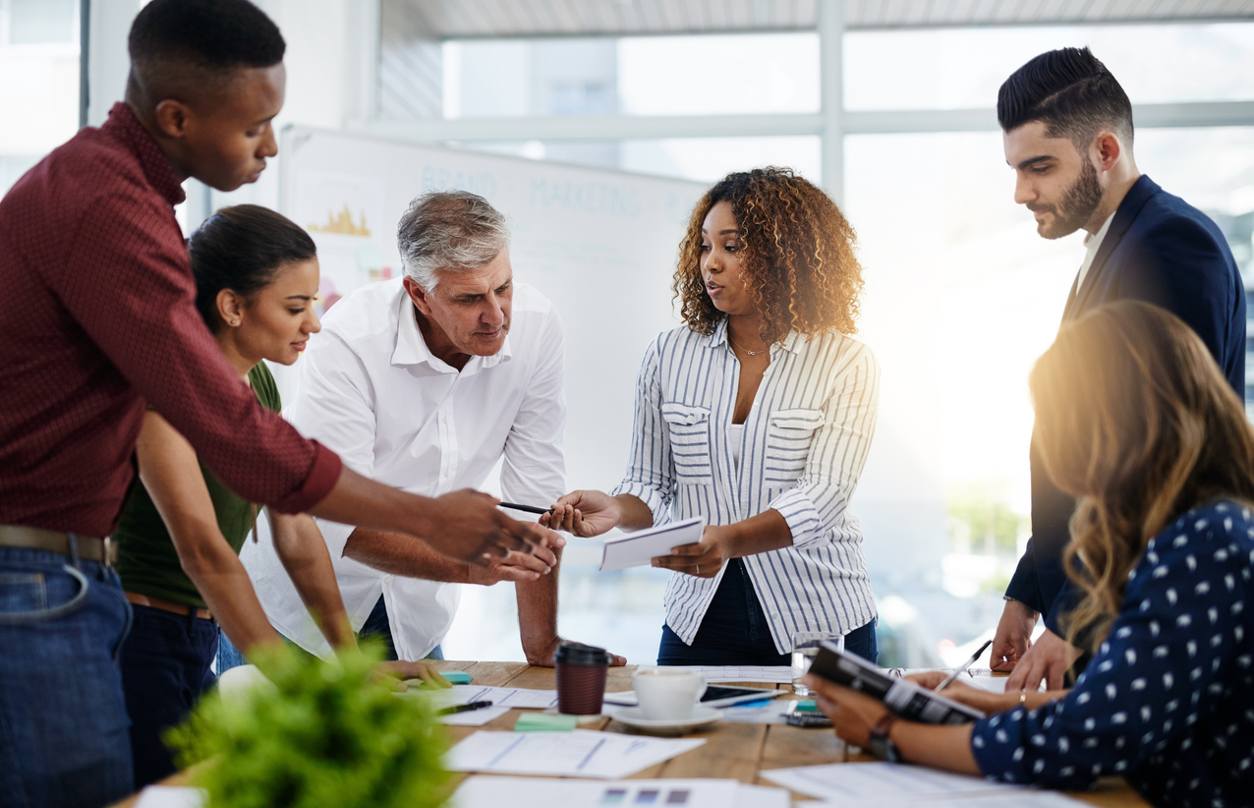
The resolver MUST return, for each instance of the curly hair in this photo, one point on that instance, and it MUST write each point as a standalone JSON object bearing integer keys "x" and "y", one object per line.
{"x": 797, "y": 256}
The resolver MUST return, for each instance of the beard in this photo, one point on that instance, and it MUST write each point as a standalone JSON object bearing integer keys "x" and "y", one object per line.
{"x": 1077, "y": 206}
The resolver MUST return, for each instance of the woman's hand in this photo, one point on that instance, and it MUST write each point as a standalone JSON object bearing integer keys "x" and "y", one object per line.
{"x": 584, "y": 513}
{"x": 703, "y": 559}
{"x": 852, "y": 714}
{"x": 982, "y": 700}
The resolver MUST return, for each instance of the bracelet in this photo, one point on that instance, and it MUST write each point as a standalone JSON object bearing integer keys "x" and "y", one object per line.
{"x": 1023, "y": 697}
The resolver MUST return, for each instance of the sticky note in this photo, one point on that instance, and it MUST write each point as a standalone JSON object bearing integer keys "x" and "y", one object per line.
{"x": 806, "y": 706}
{"x": 545, "y": 722}
{"x": 456, "y": 677}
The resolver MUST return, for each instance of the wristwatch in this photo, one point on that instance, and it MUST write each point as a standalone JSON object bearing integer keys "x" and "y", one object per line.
{"x": 879, "y": 744}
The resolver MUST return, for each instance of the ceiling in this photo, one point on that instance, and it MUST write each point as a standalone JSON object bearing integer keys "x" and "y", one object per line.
{"x": 457, "y": 19}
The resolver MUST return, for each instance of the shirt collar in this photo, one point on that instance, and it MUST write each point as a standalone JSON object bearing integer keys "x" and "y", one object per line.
{"x": 1093, "y": 241}
{"x": 124, "y": 125}
{"x": 411, "y": 347}
{"x": 718, "y": 337}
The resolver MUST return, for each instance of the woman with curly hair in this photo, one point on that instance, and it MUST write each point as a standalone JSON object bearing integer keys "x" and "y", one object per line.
{"x": 756, "y": 414}
{"x": 1135, "y": 420}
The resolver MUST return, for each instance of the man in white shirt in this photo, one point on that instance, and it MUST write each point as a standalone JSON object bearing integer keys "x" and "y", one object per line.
{"x": 427, "y": 383}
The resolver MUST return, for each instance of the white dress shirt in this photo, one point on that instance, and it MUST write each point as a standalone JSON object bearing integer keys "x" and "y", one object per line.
{"x": 801, "y": 451}
{"x": 373, "y": 392}
{"x": 1092, "y": 243}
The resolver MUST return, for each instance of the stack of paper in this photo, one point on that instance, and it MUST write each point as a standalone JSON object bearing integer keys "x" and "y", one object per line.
{"x": 518, "y": 792}
{"x": 582, "y": 753}
{"x": 879, "y": 785}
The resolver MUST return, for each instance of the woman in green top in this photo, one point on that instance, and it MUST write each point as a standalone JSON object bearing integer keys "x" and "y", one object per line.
{"x": 181, "y": 529}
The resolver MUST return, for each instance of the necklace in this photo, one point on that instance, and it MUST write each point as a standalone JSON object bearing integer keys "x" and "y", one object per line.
{"x": 746, "y": 350}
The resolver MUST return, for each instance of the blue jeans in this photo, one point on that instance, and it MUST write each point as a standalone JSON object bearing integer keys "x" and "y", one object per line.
{"x": 734, "y": 630}
{"x": 376, "y": 625}
{"x": 63, "y": 721}
{"x": 165, "y": 671}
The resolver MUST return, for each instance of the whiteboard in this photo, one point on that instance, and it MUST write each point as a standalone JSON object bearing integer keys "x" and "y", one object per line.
{"x": 600, "y": 244}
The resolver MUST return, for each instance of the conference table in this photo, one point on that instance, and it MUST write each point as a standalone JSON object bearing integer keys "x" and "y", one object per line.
{"x": 731, "y": 750}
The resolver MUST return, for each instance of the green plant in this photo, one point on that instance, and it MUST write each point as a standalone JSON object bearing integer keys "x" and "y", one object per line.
{"x": 326, "y": 734}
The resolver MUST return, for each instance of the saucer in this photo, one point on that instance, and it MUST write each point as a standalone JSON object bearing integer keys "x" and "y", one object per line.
{"x": 701, "y": 716}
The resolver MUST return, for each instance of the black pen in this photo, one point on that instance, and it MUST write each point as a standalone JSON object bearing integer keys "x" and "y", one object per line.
{"x": 963, "y": 667}
{"x": 464, "y": 708}
{"x": 514, "y": 506}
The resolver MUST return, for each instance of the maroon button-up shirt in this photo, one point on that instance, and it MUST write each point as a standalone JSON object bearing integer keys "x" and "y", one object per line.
{"x": 97, "y": 317}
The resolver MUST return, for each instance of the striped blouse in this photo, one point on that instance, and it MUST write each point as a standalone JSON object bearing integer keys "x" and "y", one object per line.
{"x": 804, "y": 444}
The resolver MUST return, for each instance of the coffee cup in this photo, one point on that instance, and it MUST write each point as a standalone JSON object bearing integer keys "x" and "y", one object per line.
{"x": 581, "y": 672}
{"x": 667, "y": 695}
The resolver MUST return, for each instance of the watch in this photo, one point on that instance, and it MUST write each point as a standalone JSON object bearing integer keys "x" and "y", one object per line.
{"x": 879, "y": 744}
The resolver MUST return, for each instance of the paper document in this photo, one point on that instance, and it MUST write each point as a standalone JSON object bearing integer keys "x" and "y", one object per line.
{"x": 507, "y": 697}
{"x": 171, "y": 797}
{"x": 1019, "y": 798}
{"x": 531, "y": 792}
{"x": 878, "y": 781}
{"x": 763, "y": 797}
{"x": 637, "y": 548}
{"x": 475, "y": 718}
{"x": 582, "y": 753}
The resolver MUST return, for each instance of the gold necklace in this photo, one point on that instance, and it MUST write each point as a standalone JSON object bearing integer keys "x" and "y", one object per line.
{"x": 746, "y": 350}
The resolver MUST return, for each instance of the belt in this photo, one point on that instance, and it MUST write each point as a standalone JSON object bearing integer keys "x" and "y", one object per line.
{"x": 88, "y": 548}
{"x": 181, "y": 609}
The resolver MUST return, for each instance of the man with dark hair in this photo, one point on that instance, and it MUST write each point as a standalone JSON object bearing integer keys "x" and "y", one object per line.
{"x": 98, "y": 320}
{"x": 1068, "y": 136}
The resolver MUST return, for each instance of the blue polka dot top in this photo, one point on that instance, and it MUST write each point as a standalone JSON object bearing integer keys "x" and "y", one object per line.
{"x": 1168, "y": 700}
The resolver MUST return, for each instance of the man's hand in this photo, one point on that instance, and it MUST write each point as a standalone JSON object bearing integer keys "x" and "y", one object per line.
{"x": 541, "y": 653}
{"x": 852, "y": 714}
{"x": 424, "y": 672}
{"x": 584, "y": 513}
{"x": 1013, "y": 636}
{"x": 516, "y": 566}
{"x": 467, "y": 526}
{"x": 703, "y": 559}
{"x": 1049, "y": 659}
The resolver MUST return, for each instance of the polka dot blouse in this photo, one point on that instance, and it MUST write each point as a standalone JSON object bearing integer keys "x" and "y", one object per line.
{"x": 1168, "y": 701}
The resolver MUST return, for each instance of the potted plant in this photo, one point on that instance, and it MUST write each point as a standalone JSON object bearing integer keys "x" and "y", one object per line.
{"x": 322, "y": 734}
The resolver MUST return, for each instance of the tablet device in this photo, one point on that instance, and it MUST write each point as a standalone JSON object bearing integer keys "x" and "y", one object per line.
{"x": 714, "y": 696}
{"x": 902, "y": 696}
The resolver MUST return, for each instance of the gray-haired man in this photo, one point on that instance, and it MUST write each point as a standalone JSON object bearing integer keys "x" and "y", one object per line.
{"x": 426, "y": 383}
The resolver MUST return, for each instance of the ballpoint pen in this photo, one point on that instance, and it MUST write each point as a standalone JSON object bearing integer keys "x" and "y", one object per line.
{"x": 464, "y": 708}
{"x": 514, "y": 506}
{"x": 948, "y": 679}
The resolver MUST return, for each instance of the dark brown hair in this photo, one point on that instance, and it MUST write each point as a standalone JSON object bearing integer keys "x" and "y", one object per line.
{"x": 797, "y": 260}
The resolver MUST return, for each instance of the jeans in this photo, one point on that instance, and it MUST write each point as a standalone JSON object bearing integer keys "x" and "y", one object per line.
{"x": 165, "y": 671}
{"x": 376, "y": 625}
{"x": 734, "y": 630}
{"x": 63, "y": 720}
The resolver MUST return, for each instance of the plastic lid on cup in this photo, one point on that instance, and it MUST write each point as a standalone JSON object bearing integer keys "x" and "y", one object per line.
{"x": 576, "y": 653}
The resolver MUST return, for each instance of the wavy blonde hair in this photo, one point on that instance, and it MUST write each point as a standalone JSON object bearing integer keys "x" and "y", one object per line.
{"x": 798, "y": 260}
{"x": 1135, "y": 420}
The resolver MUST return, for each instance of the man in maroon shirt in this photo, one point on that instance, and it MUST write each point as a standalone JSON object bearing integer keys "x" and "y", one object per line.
{"x": 97, "y": 321}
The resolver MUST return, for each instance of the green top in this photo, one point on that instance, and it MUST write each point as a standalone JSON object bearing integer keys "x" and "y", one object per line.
{"x": 147, "y": 561}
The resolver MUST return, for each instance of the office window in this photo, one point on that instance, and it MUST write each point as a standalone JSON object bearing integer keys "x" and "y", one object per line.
{"x": 1211, "y": 62}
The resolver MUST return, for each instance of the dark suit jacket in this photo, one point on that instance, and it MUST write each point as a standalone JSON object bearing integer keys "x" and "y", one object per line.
{"x": 1164, "y": 251}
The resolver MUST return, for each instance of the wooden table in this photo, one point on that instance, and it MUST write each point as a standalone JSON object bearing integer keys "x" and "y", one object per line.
{"x": 731, "y": 750}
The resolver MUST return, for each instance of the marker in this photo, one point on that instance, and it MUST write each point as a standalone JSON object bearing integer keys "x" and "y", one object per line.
{"x": 949, "y": 679}
{"x": 465, "y": 708}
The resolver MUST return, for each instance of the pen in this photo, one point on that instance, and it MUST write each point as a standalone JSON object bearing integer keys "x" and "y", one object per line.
{"x": 465, "y": 708}
{"x": 514, "y": 506}
{"x": 963, "y": 666}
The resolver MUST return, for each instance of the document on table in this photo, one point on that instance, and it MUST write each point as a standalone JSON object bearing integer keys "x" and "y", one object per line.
{"x": 473, "y": 718}
{"x": 1020, "y": 798}
{"x": 171, "y": 797}
{"x": 581, "y": 753}
{"x": 635, "y": 549}
{"x": 880, "y": 781}
{"x": 507, "y": 697}
{"x": 531, "y": 792}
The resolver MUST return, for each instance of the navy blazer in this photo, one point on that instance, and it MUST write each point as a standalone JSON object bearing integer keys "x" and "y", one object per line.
{"x": 1162, "y": 250}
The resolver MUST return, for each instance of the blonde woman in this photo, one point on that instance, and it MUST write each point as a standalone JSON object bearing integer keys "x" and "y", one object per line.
{"x": 1137, "y": 422}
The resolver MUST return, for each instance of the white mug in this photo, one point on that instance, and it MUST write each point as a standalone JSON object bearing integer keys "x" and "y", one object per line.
{"x": 667, "y": 695}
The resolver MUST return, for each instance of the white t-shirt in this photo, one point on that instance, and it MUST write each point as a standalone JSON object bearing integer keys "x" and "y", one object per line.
{"x": 372, "y": 392}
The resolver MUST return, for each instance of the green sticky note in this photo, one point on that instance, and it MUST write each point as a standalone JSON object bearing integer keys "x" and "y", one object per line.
{"x": 806, "y": 706}
{"x": 456, "y": 677}
{"x": 545, "y": 722}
